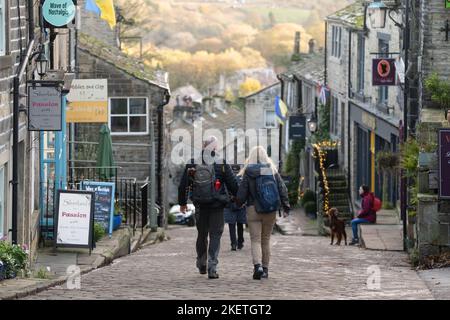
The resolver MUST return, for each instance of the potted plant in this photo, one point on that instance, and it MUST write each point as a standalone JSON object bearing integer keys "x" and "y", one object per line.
{"x": 13, "y": 260}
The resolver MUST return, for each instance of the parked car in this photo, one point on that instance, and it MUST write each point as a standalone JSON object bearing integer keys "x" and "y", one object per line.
{"x": 188, "y": 218}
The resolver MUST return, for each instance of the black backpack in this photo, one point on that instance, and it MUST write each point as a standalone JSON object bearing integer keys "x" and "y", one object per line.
{"x": 203, "y": 186}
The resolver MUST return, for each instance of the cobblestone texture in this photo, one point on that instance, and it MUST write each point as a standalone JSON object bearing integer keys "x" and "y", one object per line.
{"x": 302, "y": 267}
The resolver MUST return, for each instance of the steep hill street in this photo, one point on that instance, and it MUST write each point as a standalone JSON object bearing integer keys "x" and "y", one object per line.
{"x": 303, "y": 267}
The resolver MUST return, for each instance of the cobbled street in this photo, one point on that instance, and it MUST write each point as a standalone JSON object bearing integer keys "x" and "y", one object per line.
{"x": 302, "y": 267}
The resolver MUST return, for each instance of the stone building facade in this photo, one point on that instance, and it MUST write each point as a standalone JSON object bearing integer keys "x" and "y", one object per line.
{"x": 136, "y": 97}
{"x": 431, "y": 55}
{"x": 364, "y": 118}
{"x": 259, "y": 113}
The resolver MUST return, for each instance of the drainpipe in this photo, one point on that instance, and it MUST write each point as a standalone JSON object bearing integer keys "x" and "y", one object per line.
{"x": 160, "y": 111}
{"x": 280, "y": 140}
{"x": 16, "y": 115}
{"x": 349, "y": 95}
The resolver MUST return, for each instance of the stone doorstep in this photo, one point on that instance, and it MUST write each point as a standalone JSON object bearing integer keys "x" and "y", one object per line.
{"x": 381, "y": 237}
{"x": 101, "y": 256}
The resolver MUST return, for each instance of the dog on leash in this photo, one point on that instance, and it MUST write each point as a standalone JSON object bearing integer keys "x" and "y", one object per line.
{"x": 337, "y": 227}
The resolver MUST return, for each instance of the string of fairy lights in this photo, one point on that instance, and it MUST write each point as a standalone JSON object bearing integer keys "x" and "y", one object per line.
{"x": 321, "y": 149}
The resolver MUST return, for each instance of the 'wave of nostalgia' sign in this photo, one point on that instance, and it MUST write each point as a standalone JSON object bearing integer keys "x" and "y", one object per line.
{"x": 58, "y": 13}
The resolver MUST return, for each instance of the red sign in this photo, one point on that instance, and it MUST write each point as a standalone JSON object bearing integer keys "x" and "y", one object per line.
{"x": 383, "y": 72}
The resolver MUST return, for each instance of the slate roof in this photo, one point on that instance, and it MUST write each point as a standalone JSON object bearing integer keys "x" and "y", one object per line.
{"x": 310, "y": 67}
{"x": 122, "y": 61}
{"x": 352, "y": 15}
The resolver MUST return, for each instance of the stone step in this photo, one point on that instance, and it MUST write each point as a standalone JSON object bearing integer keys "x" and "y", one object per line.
{"x": 337, "y": 183}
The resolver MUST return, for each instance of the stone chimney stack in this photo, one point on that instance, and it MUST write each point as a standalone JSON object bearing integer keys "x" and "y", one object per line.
{"x": 297, "y": 43}
{"x": 311, "y": 44}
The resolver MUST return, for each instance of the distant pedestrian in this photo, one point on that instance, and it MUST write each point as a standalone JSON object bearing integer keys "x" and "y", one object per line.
{"x": 367, "y": 214}
{"x": 264, "y": 192}
{"x": 236, "y": 218}
{"x": 208, "y": 181}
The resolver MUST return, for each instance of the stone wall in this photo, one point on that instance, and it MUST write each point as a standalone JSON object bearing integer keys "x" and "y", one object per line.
{"x": 132, "y": 153}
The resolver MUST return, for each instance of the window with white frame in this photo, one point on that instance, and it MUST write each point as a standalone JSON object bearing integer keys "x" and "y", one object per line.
{"x": 2, "y": 27}
{"x": 334, "y": 114}
{"x": 128, "y": 116}
{"x": 336, "y": 39}
{"x": 270, "y": 119}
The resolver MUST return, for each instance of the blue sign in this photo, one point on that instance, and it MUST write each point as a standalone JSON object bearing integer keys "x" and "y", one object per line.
{"x": 58, "y": 13}
{"x": 104, "y": 202}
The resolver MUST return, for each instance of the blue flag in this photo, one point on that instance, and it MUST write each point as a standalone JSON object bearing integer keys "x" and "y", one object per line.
{"x": 281, "y": 110}
{"x": 92, "y": 6}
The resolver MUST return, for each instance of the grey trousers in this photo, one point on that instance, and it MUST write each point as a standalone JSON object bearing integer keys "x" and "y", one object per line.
{"x": 210, "y": 222}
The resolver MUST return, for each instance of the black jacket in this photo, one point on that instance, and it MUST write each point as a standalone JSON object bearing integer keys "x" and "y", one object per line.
{"x": 247, "y": 188}
{"x": 223, "y": 172}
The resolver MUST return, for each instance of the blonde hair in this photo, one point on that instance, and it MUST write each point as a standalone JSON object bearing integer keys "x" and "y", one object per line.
{"x": 258, "y": 155}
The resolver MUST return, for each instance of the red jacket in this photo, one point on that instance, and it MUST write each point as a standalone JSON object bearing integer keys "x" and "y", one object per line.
{"x": 367, "y": 211}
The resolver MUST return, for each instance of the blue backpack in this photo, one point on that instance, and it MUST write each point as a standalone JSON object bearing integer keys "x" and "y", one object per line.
{"x": 267, "y": 195}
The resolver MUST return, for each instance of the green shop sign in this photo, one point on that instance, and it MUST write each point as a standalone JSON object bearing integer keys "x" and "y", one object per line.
{"x": 447, "y": 4}
{"x": 58, "y": 13}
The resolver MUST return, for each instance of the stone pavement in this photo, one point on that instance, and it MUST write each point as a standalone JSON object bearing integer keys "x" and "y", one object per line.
{"x": 297, "y": 223}
{"x": 438, "y": 281}
{"x": 56, "y": 263}
{"x": 386, "y": 234}
{"x": 302, "y": 267}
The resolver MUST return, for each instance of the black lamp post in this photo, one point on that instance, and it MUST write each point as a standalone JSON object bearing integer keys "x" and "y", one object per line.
{"x": 41, "y": 64}
{"x": 378, "y": 11}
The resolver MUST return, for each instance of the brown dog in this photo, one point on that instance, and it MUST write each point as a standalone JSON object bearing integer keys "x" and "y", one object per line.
{"x": 337, "y": 227}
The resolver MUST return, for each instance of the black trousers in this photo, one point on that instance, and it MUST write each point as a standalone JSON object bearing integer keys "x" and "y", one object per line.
{"x": 210, "y": 223}
{"x": 240, "y": 233}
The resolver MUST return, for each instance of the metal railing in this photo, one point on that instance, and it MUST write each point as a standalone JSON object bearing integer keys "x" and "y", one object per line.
{"x": 131, "y": 198}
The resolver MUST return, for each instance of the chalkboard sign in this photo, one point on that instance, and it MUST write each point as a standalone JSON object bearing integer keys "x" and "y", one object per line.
{"x": 444, "y": 163}
{"x": 104, "y": 202}
{"x": 74, "y": 219}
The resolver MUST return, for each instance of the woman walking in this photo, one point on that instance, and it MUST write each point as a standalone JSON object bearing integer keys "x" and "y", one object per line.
{"x": 264, "y": 192}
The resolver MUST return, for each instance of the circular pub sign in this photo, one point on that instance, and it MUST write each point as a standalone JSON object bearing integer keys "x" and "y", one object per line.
{"x": 58, "y": 13}
{"x": 384, "y": 68}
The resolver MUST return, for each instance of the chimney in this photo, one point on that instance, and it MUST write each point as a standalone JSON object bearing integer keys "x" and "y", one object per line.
{"x": 311, "y": 44}
{"x": 297, "y": 43}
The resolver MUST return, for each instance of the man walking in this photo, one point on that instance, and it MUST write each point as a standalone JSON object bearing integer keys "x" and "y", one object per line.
{"x": 207, "y": 181}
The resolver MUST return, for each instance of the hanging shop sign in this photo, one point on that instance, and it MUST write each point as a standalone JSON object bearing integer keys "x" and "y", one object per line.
{"x": 44, "y": 108}
{"x": 383, "y": 72}
{"x": 444, "y": 163}
{"x": 75, "y": 219}
{"x": 58, "y": 13}
{"x": 104, "y": 202}
{"x": 297, "y": 127}
{"x": 447, "y": 4}
{"x": 88, "y": 101}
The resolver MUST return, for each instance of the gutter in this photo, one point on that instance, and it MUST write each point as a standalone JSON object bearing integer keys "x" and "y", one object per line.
{"x": 16, "y": 115}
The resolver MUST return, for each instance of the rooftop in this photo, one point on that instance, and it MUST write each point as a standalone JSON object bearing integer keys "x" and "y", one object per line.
{"x": 310, "y": 67}
{"x": 122, "y": 61}
{"x": 352, "y": 15}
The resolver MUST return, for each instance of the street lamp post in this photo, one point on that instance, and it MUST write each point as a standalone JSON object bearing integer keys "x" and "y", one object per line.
{"x": 378, "y": 13}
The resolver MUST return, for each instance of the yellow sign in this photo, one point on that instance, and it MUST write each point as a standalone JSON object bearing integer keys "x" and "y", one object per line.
{"x": 88, "y": 101}
{"x": 85, "y": 112}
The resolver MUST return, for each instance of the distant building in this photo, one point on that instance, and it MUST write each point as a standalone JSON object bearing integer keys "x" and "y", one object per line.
{"x": 260, "y": 114}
